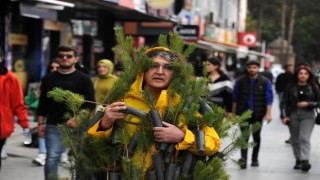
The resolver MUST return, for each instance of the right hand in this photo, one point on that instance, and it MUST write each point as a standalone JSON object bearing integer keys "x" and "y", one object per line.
{"x": 41, "y": 128}
{"x": 112, "y": 113}
{"x": 285, "y": 120}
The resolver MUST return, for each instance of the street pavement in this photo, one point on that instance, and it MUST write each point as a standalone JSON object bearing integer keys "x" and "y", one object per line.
{"x": 276, "y": 158}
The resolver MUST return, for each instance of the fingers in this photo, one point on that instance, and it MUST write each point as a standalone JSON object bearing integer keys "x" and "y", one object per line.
{"x": 112, "y": 112}
{"x": 166, "y": 124}
{"x": 115, "y": 107}
{"x": 160, "y": 136}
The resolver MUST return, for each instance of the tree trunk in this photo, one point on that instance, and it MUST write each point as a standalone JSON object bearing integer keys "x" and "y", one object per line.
{"x": 291, "y": 28}
{"x": 283, "y": 31}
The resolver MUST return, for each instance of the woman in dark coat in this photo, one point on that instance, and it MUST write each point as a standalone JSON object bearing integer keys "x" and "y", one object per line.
{"x": 297, "y": 107}
{"x": 220, "y": 87}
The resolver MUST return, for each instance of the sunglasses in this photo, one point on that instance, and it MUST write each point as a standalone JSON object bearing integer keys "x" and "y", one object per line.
{"x": 68, "y": 56}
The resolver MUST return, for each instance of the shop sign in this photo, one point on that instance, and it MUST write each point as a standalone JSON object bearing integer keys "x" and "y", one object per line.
{"x": 248, "y": 39}
{"x": 189, "y": 33}
{"x": 18, "y": 39}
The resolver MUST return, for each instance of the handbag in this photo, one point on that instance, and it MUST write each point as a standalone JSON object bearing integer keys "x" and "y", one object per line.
{"x": 317, "y": 120}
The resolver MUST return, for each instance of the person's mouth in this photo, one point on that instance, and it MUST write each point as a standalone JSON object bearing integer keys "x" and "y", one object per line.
{"x": 158, "y": 79}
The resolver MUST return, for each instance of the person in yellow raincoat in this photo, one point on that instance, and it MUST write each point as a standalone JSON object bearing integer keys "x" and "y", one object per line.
{"x": 155, "y": 80}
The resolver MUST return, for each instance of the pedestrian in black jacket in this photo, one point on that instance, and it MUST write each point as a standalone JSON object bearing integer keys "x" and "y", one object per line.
{"x": 299, "y": 100}
{"x": 281, "y": 84}
{"x": 66, "y": 78}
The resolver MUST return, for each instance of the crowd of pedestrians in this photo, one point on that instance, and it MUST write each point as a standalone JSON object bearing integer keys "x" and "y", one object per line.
{"x": 252, "y": 91}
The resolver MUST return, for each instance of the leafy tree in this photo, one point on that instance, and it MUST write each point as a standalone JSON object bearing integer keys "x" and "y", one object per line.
{"x": 305, "y": 35}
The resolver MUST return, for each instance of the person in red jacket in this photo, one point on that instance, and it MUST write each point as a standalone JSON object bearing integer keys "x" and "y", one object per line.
{"x": 11, "y": 103}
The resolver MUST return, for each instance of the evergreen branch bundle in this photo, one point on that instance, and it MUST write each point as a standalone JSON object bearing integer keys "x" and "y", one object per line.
{"x": 100, "y": 154}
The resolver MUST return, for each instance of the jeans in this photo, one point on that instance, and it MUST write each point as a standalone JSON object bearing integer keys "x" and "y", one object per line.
{"x": 42, "y": 146}
{"x": 54, "y": 150}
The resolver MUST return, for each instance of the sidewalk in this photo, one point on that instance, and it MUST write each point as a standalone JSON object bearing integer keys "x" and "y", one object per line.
{"x": 19, "y": 165}
{"x": 276, "y": 157}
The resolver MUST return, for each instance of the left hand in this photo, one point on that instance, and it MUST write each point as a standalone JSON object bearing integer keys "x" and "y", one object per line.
{"x": 302, "y": 104}
{"x": 267, "y": 117}
{"x": 72, "y": 122}
{"x": 169, "y": 133}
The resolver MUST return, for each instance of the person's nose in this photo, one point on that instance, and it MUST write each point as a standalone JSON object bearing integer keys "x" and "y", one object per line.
{"x": 160, "y": 70}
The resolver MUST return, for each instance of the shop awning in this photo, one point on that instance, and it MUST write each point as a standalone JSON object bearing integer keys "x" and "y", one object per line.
{"x": 240, "y": 51}
{"x": 92, "y": 9}
{"x": 215, "y": 46}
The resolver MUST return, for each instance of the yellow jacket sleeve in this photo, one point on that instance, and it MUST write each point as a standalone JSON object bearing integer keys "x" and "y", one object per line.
{"x": 93, "y": 131}
{"x": 212, "y": 141}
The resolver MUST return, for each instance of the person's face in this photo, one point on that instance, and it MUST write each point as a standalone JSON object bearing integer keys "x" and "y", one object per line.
{"x": 211, "y": 67}
{"x": 67, "y": 59}
{"x": 252, "y": 69}
{"x": 303, "y": 75}
{"x": 102, "y": 69}
{"x": 54, "y": 67}
{"x": 290, "y": 69}
{"x": 159, "y": 76}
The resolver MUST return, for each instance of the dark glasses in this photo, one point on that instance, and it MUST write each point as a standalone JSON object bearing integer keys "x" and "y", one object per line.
{"x": 68, "y": 56}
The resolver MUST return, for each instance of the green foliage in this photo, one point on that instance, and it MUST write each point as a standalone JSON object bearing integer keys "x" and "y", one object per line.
{"x": 204, "y": 171}
{"x": 305, "y": 34}
{"x": 72, "y": 100}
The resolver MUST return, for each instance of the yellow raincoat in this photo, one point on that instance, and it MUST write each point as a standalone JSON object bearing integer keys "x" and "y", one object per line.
{"x": 135, "y": 99}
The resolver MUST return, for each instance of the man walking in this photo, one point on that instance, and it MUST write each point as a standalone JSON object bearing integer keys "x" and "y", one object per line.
{"x": 252, "y": 92}
{"x": 66, "y": 78}
{"x": 281, "y": 83}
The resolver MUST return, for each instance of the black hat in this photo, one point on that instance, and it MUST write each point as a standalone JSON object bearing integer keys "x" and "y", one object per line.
{"x": 250, "y": 62}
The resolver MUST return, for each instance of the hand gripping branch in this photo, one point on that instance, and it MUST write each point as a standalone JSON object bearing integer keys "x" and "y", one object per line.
{"x": 129, "y": 110}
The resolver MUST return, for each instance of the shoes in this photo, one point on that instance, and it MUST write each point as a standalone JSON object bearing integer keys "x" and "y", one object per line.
{"x": 40, "y": 160}
{"x": 255, "y": 163}
{"x": 297, "y": 165}
{"x": 242, "y": 163}
{"x": 64, "y": 158}
{"x": 4, "y": 154}
{"x": 305, "y": 166}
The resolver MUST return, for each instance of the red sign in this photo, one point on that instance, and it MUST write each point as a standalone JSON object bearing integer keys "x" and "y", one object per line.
{"x": 248, "y": 39}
